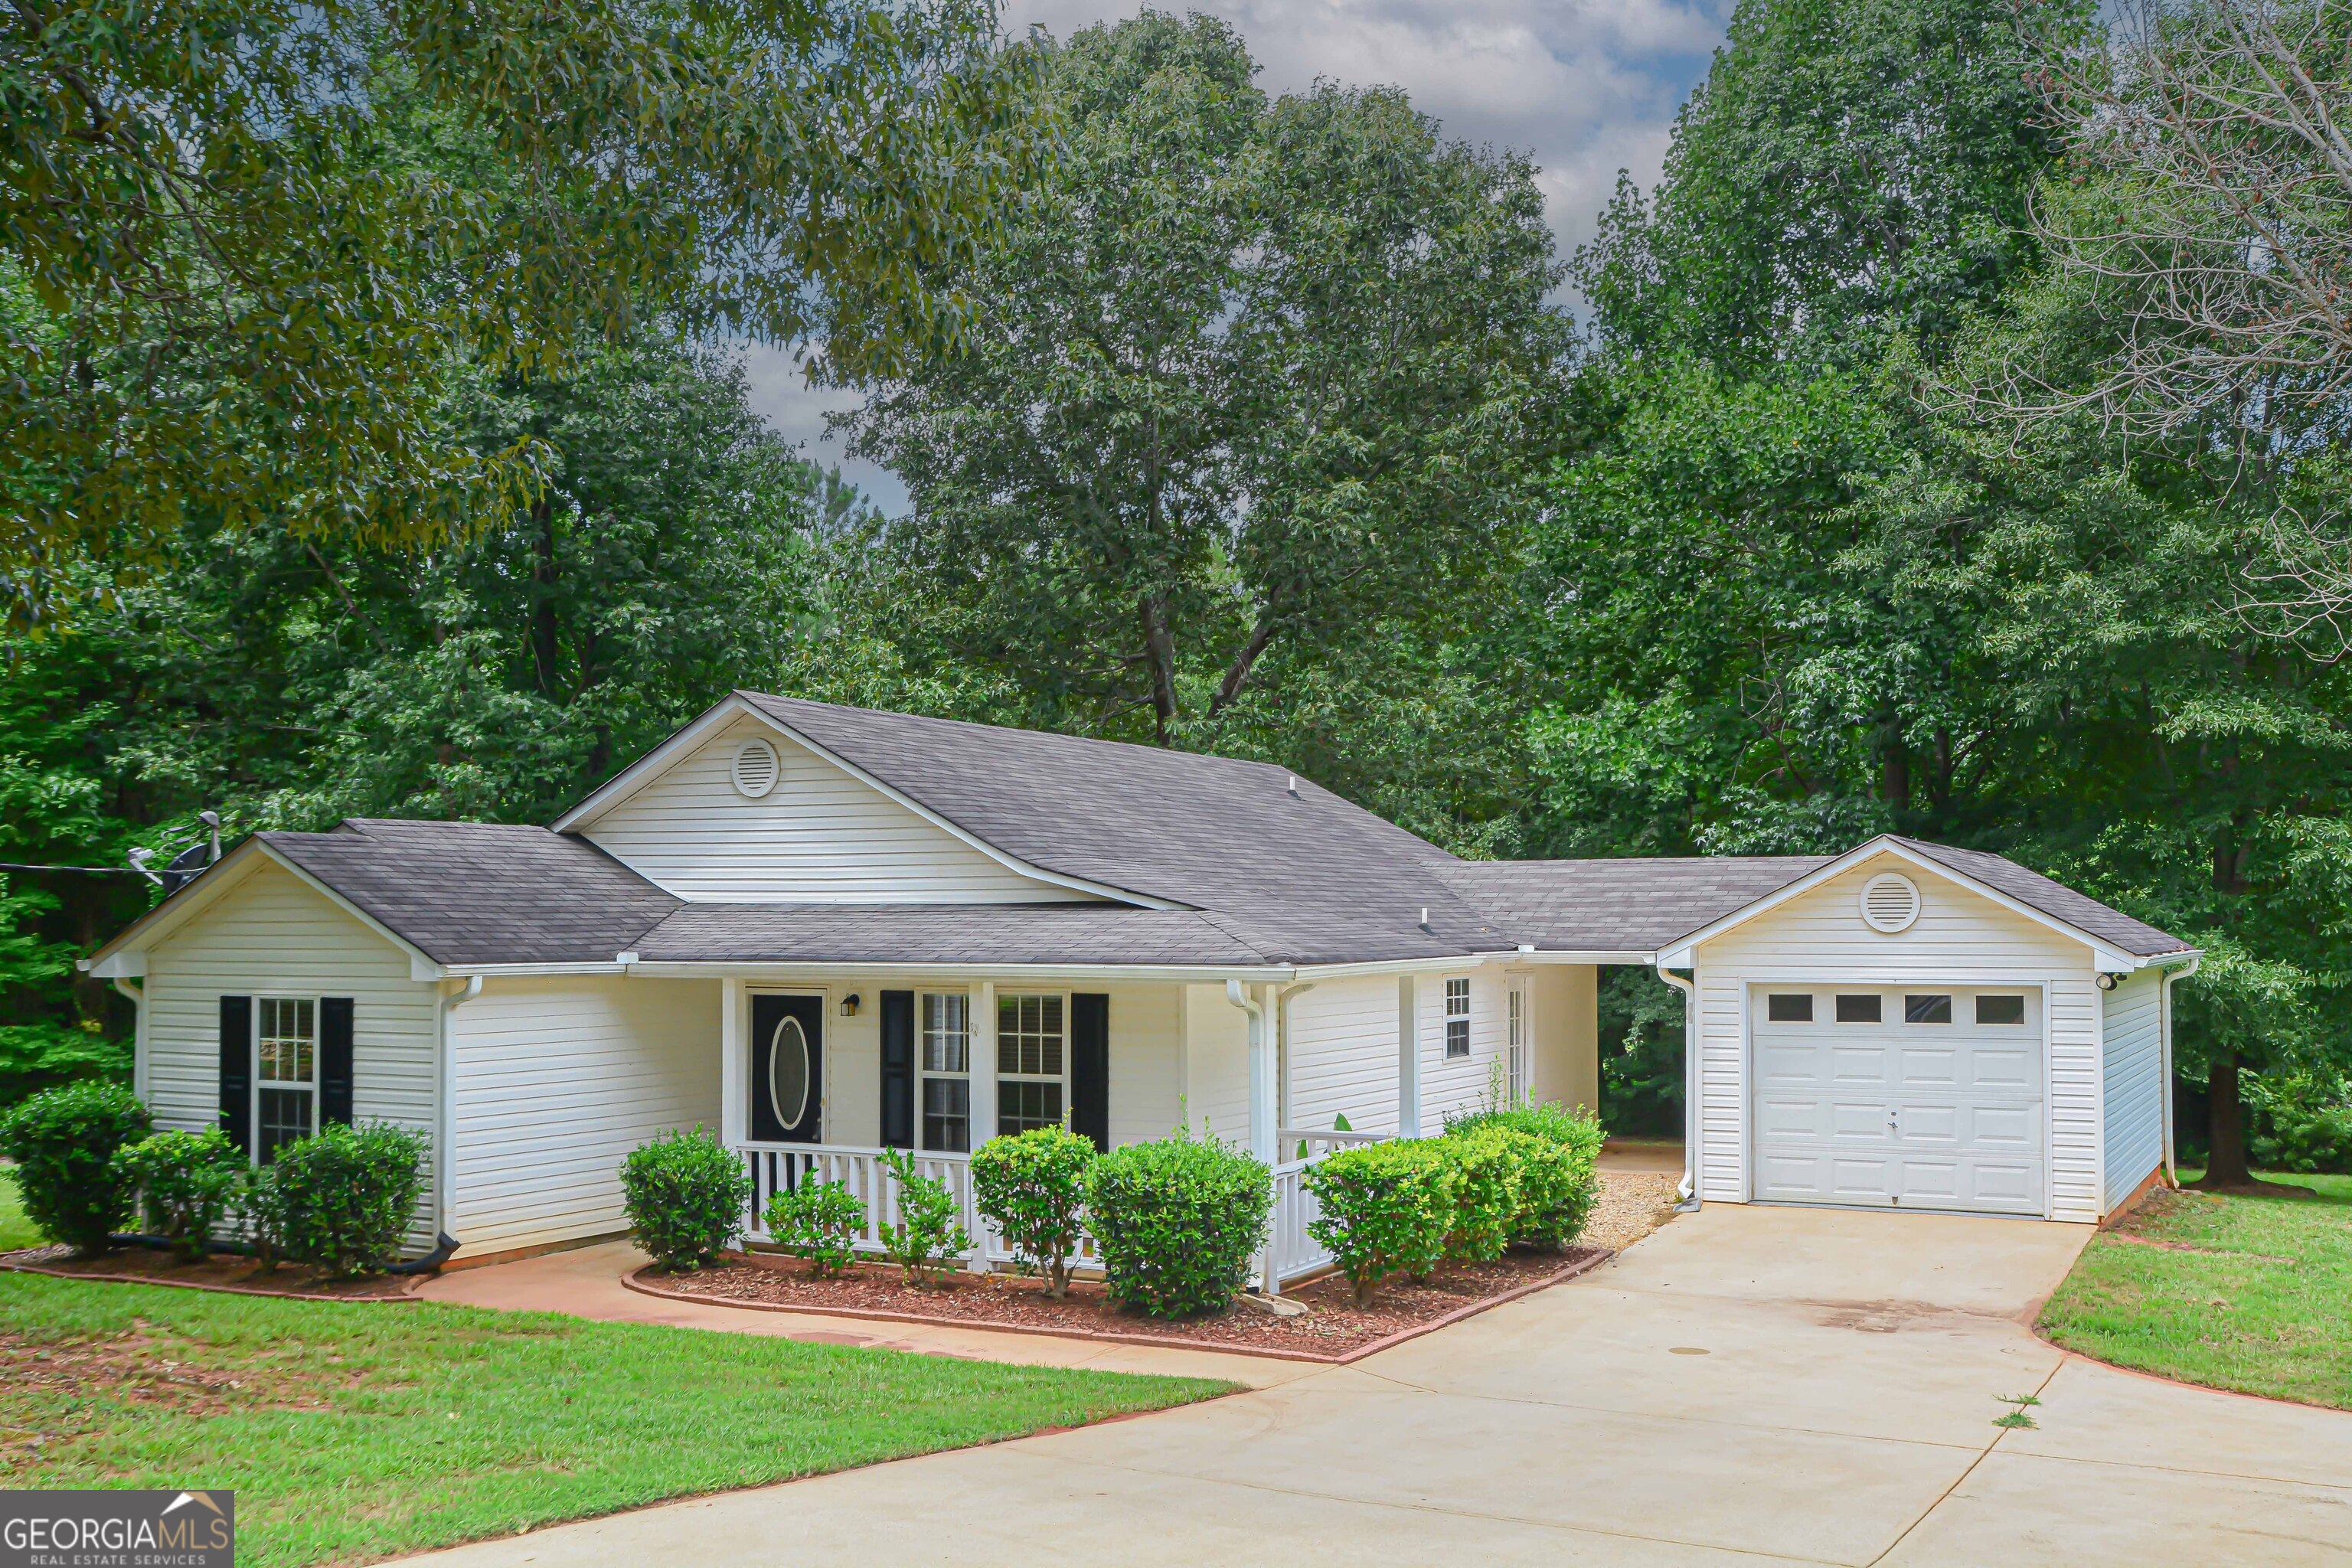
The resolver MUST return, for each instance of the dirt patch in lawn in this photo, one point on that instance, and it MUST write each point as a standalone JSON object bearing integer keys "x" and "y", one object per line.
{"x": 219, "y": 1271}
{"x": 1333, "y": 1328}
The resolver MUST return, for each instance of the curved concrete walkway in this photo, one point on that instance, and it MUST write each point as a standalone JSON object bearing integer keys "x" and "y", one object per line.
{"x": 1748, "y": 1385}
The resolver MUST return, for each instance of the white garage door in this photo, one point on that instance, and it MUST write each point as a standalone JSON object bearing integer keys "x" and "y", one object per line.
{"x": 1916, "y": 1096}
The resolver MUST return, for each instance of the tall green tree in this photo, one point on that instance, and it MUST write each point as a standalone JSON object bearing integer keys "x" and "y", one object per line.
{"x": 1251, "y": 382}
{"x": 247, "y": 242}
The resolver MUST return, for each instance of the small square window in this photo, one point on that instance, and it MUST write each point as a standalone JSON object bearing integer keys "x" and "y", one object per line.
{"x": 1024, "y": 1105}
{"x": 1927, "y": 1009}
{"x": 1789, "y": 1007}
{"x": 1857, "y": 1009}
{"x": 947, "y": 1115}
{"x": 2001, "y": 1009}
{"x": 1458, "y": 1017}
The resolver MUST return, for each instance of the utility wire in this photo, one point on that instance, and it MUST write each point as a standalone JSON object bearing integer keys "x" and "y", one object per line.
{"x": 85, "y": 871}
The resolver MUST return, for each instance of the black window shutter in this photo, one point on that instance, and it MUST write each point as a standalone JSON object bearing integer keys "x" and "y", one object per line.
{"x": 1090, "y": 1067}
{"x": 236, "y": 1070}
{"x": 898, "y": 1070}
{"x": 334, "y": 1061}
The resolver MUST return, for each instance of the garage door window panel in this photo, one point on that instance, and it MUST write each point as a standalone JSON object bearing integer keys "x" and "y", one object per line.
{"x": 1789, "y": 1007}
{"x": 1927, "y": 1009}
{"x": 1859, "y": 1010}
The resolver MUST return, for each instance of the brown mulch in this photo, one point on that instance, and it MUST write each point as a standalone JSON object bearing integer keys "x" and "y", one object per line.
{"x": 1633, "y": 1205}
{"x": 219, "y": 1271}
{"x": 1333, "y": 1327}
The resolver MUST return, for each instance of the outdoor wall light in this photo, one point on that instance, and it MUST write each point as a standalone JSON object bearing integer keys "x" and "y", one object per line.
{"x": 849, "y": 1005}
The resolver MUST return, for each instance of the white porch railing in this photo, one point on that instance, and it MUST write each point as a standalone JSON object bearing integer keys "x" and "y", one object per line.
{"x": 1291, "y": 1252}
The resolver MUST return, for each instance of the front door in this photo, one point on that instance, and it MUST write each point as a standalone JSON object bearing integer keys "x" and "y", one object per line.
{"x": 787, "y": 1069}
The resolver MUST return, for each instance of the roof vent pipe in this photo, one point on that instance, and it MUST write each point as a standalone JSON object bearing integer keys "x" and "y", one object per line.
{"x": 1424, "y": 917}
{"x": 1293, "y": 786}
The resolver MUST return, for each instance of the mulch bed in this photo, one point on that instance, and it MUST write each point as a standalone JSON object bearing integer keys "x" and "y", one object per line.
{"x": 221, "y": 1271}
{"x": 1333, "y": 1329}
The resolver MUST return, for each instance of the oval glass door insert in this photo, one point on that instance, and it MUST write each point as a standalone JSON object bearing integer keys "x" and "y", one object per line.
{"x": 788, "y": 1074}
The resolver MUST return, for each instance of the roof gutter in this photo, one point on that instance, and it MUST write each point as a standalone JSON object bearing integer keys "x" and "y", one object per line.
{"x": 2163, "y": 1001}
{"x": 1686, "y": 1198}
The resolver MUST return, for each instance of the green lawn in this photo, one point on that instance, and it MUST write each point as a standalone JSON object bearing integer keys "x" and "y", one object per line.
{"x": 353, "y": 1431}
{"x": 15, "y": 1230}
{"x": 2253, "y": 1294}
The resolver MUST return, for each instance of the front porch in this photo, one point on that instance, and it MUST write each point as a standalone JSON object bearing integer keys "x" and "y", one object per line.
{"x": 1290, "y": 1254}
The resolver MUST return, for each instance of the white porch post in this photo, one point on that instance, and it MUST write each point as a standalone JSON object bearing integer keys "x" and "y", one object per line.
{"x": 734, "y": 1070}
{"x": 1408, "y": 1058}
{"x": 1260, "y": 1076}
{"x": 982, "y": 1098}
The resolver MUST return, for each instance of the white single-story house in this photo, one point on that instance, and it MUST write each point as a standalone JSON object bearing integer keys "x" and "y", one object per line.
{"x": 825, "y": 932}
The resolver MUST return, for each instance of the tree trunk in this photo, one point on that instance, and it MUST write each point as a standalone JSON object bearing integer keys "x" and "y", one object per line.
{"x": 546, "y": 643}
{"x": 2226, "y": 1124}
{"x": 1160, "y": 652}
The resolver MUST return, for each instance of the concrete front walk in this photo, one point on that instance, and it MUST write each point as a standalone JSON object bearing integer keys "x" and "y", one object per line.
{"x": 1748, "y": 1385}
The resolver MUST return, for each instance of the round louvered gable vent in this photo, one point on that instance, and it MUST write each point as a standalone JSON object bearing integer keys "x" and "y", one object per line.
{"x": 756, "y": 768}
{"x": 1890, "y": 902}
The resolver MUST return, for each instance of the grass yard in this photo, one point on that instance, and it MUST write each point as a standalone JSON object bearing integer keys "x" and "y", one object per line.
{"x": 2253, "y": 1294}
{"x": 353, "y": 1431}
{"x": 15, "y": 1230}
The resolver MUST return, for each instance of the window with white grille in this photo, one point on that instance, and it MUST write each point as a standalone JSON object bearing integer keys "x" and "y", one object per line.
{"x": 1458, "y": 1017}
{"x": 946, "y": 1071}
{"x": 285, "y": 1063}
{"x": 1031, "y": 1062}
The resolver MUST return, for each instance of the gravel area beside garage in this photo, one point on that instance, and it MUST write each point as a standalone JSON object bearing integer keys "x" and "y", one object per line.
{"x": 1633, "y": 1205}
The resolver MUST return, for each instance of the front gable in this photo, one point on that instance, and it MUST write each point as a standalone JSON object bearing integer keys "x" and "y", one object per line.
{"x": 818, "y": 833}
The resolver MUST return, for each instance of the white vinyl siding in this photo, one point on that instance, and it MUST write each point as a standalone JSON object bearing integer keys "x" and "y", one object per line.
{"x": 820, "y": 835}
{"x": 1960, "y": 940}
{"x": 1342, "y": 1054}
{"x": 555, "y": 1080}
{"x": 273, "y": 935}
{"x": 1215, "y": 1079}
{"x": 2132, "y": 1082}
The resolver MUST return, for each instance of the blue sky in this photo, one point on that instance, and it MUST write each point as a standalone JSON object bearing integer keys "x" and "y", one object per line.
{"x": 1589, "y": 86}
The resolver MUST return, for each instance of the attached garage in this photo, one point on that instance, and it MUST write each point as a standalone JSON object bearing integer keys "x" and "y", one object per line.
{"x": 1915, "y": 1027}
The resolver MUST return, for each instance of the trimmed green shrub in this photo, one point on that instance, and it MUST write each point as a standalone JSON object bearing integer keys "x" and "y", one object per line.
{"x": 1387, "y": 1209}
{"x": 261, "y": 1211}
{"x": 1032, "y": 1185}
{"x": 345, "y": 1196}
{"x": 64, "y": 1142}
{"x": 1178, "y": 1222}
{"x": 1487, "y": 1161}
{"x": 185, "y": 1181}
{"x": 686, "y": 1197}
{"x": 819, "y": 1220}
{"x": 929, "y": 1235}
{"x": 1560, "y": 1184}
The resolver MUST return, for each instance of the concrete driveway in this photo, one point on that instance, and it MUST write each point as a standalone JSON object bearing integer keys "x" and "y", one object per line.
{"x": 1749, "y": 1384}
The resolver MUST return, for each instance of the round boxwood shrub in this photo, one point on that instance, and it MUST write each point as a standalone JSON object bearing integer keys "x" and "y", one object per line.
{"x": 185, "y": 1181}
{"x": 819, "y": 1220}
{"x": 1177, "y": 1223}
{"x": 686, "y": 1197}
{"x": 1387, "y": 1209}
{"x": 1559, "y": 1184}
{"x": 1033, "y": 1188}
{"x": 345, "y": 1198}
{"x": 64, "y": 1142}
{"x": 1487, "y": 1161}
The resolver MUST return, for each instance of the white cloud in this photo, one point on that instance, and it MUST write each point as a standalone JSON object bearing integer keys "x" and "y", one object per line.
{"x": 1586, "y": 86}
{"x": 780, "y": 391}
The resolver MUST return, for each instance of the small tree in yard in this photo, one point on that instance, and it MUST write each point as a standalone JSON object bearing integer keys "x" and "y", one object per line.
{"x": 686, "y": 1196}
{"x": 187, "y": 1181}
{"x": 1387, "y": 1209}
{"x": 1033, "y": 1187}
{"x": 1178, "y": 1221}
{"x": 819, "y": 1221}
{"x": 927, "y": 1235}
{"x": 64, "y": 1141}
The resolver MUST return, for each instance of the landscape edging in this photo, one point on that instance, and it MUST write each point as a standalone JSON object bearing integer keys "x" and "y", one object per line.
{"x": 408, "y": 1292}
{"x": 630, "y": 1280}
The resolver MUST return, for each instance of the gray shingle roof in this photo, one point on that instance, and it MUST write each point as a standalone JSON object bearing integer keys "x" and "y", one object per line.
{"x": 1212, "y": 833}
{"x": 478, "y": 892}
{"x": 2054, "y": 898}
{"x": 1268, "y": 875}
{"x": 1628, "y": 905}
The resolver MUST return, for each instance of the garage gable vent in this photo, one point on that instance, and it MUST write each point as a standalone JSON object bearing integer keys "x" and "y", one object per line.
{"x": 756, "y": 769}
{"x": 1890, "y": 902}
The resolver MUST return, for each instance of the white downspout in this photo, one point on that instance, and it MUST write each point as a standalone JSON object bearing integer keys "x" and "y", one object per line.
{"x": 138, "y": 1000}
{"x": 1686, "y": 1198}
{"x": 2172, "y": 1156}
{"x": 444, "y": 1156}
